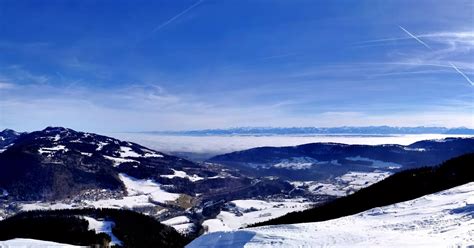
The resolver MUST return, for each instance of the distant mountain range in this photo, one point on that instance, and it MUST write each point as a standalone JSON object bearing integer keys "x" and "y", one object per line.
{"x": 369, "y": 130}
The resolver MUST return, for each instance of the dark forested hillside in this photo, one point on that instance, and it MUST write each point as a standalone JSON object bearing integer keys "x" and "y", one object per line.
{"x": 402, "y": 186}
{"x": 67, "y": 226}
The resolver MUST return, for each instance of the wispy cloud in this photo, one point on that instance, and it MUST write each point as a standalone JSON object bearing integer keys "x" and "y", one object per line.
{"x": 164, "y": 24}
{"x": 5, "y": 86}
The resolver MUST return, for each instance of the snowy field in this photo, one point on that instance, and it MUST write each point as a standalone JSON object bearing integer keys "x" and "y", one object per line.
{"x": 224, "y": 144}
{"x": 182, "y": 224}
{"x": 139, "y": 194}
{"x": 343, "y": 185}
{"x": 444, "y": 219}
{"x": 248, "y": 212}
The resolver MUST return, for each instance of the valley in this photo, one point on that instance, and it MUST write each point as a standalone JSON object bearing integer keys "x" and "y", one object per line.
{"x": 63, "y": 169}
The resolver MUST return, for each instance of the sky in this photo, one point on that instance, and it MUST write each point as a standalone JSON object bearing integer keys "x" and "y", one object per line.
{"x": 114, "y": 65}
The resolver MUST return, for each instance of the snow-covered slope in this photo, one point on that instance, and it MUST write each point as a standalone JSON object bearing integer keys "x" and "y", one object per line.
{"x": 444, "y": 219}
{"x": 182, "y": 224}
{"x": 27, "y": 243}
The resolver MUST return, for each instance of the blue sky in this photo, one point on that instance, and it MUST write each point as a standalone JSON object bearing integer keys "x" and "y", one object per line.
{"x": 174, "y": 65}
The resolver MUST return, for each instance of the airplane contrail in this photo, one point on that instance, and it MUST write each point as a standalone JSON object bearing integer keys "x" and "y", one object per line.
{"x": 176, "y": 16}
{"x": 462, "y": 73}
{"x": 426, "y": 45}
{"x": 414, "y": 37}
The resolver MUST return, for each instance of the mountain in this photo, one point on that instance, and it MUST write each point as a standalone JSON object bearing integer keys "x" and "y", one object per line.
{"x": 325, "y": 161}
{"x": 7, "y": 137}
{"x": 58, "y": 163}
{"x": 443, "y": 219}
{"x": 60, "y": 168}
{"x": 402, "y": 186}
{"x": 370, "y": 130}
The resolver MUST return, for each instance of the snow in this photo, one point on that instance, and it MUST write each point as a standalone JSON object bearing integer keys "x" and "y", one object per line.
{"x": 182, "y": 224}
{"x": 103, "y": 226}
{"x": 296, "y": 163}
{"x": 444, "y": 219}
{"x": 215, "y": 225}
{"x": 176, "y": 220}
{"x": 140, "y": 192}
{"x": 137, "y": 187}
{"x": 100, "y": 145}
{"x": 343, "y": 185}
{"x": 118, "y": 161}
{"x": 49, "y": 150}
{"x": 126, "y": 152}
{"x": 184, "y": 228}
{"x": 414, "y": 149}
{"x": 44, "y": 206}
{"x": 30, "y": 243}
{"x": 127, "y": 202}
{"x": 252, "y": 211}
{"x": 359, "y": 180}
{"x": 323, "y": 188}
{"x": 4, "y": 192}
{"x": 153, "y": 155}
{"x": 183, "y": 174}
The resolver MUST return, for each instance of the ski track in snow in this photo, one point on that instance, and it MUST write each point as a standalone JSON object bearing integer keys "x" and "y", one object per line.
{"x": 444, "y": 219}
